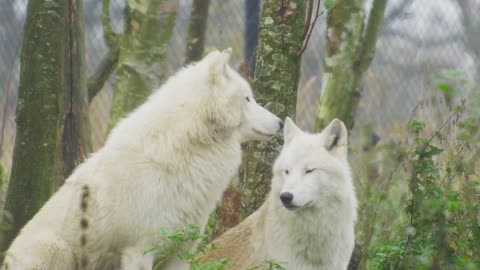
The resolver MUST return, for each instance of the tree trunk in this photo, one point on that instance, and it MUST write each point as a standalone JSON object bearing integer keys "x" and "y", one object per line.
{"x": 252, "y": 20}
{"x": 350, "y": 49}
{"x": 148, "y": 30}
{"x": 52, "y": 112}
{"x": 196, "y": 30}
{"x": 76, "y": 137}
{"x": 275, "y": 86}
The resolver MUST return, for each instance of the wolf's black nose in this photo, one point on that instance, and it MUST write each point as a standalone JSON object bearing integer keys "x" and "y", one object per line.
{"x": 281, "y": 124}
{"x": 286, "y": 198}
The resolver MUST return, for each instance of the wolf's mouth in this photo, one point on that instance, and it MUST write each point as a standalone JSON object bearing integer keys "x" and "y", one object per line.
{"x": 292, "y": 207}
{"x": 262, "y": 134}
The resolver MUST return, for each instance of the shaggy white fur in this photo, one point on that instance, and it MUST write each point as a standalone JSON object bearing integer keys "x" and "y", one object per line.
{"x": 166, "y": 166}
{"x": 307, "y": 221}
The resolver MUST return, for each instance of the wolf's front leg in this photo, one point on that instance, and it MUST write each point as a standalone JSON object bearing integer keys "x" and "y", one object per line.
{"x": 134, "y": 258}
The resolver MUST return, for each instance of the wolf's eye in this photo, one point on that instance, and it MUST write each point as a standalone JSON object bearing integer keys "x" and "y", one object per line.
{"x": 248, "y": 99}
{"x": 286, "y": 171}
{"x": 309, "y": 171}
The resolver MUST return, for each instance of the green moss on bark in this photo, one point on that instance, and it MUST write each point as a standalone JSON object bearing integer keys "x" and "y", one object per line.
{"x": 275, "y": 86}
{"x": 52, "y": 111}
{"x": 142, "y": 53}
{"x": 350, "y": 49}
{"x": 39, "y": 113}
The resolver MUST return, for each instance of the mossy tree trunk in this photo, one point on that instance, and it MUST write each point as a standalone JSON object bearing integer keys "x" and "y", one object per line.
{"x": 277, "y": 73}
{"x": 196, "y": 30}
{"x": 52, "y": 112}
{"x": 350, "y": 50}
{"x": 149, "y": 27}
{"x": 76, "y": 135}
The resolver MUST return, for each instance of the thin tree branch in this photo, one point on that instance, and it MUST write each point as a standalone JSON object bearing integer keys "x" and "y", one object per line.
{"x": 307, "y": 20}
{"x": 110, "y": 61}
{"x": 108, "y": 33}
{"x": 311, "y": 27}
{"x": 106, "y": 67}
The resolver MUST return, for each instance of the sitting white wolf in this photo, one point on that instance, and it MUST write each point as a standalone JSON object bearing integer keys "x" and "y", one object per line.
{"x": 308, "y": 219}
{"x": 164, "y": 166}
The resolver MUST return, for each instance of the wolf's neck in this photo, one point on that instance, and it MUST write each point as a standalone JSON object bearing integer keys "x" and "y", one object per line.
{"x": 296, "y": 236}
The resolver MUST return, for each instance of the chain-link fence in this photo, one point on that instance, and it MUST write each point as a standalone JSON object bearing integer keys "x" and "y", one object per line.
{"x": 419, "y": 39}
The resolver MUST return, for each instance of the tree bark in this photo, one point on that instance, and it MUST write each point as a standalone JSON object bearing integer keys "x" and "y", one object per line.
{"x": 252, "y": 21}
{"x": 148, "y": 30}
{"x": 196, "y": 30}
{"x": 350, "y": 49}
{"x": 76, "y": 136}
{"x": 109, "y": 62}
{"x": 275, "y": 86}
{"x": 52, "y": 112}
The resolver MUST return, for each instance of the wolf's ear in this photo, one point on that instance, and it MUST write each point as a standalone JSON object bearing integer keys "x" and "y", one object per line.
{"x": 218, "y": 63}
{"x": 211, "y": 55}
{"x": 336, "y": 138}
{"x": 290, "y": 130}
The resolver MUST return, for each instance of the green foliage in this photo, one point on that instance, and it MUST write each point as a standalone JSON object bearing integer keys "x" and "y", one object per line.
{"x": 268, "y": 265}
{"x": 439, "y": 227}
{"x": 419, "y": 208}
{"x": 142, "y": 52}
{"x": 329, "y": 4}
{"x": 175, "y": 243}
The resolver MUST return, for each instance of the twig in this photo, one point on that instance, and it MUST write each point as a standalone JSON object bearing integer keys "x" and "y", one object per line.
{"x": 108, "y": 33}
{"x": 110, "y": 61}
{"x": 308, "y": 19}
{"x": 106, "y": 67}
{"x": 311, "y": 27}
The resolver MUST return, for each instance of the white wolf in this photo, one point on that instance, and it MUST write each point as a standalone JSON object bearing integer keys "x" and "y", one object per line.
{"x": 308, "y": 219}
{"x": 164, "y": 166}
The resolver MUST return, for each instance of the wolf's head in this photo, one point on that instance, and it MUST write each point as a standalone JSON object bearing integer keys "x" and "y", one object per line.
{"x": 312, "y": 168}
{"x": 231, "y": 105}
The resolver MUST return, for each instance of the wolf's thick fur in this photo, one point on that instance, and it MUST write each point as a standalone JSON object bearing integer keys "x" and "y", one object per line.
{"x": 308, "y": 218}
{"x": 164, "y": 166}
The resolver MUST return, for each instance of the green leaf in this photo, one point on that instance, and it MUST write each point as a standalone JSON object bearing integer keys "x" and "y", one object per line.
{"x": 444, "y": 87}
{"x": 329, "y": 4}
{"x": 434, "y": 151}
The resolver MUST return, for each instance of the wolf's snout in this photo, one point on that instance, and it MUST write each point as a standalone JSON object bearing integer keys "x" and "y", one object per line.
{"x": 286, "y": 198}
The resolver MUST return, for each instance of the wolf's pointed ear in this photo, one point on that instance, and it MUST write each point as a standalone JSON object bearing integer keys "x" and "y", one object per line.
{"x": 290, "y": 130}
{"x": 218, "y": 63}
{"x": 211, "y": 55}
{"x": 336, "y": 138}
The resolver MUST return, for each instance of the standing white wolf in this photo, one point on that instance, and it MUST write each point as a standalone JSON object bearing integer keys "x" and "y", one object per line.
{"x": 164, "y": 166}
{"x": 308, "y": 219}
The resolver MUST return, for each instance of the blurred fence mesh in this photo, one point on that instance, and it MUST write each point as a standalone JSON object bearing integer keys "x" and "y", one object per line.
{"x": 420, "y": 38}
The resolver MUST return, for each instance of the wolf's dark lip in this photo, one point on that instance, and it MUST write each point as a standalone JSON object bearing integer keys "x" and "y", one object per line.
{"x": 262, "y": 134}
{"x": 291, "y": 207}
